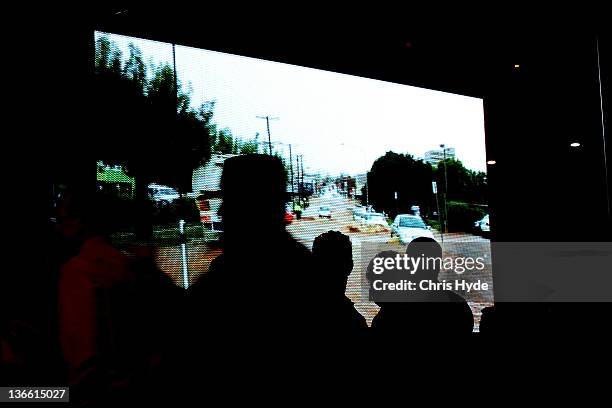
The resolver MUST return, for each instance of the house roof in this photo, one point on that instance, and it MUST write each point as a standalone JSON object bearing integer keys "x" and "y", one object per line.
{"x": 113, "y": 176}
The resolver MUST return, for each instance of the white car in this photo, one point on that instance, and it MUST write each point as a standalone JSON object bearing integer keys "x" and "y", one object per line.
{"x": 162, "y": 195}
{"x": 324, "y": 212}
{"x": 408, "y": 227}
{"x": 483, "y": 225}
{"x": 374, "y": 219}
{"x": 358, "y": 213}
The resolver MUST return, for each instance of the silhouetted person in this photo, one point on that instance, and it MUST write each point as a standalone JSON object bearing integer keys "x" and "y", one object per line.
{"x": 333, "y": 253}
{"x": 28, "y": 318}
{"x": 257, "y": 298}
{"x": 422, "y": 315}
{"x": 105, "y": 323}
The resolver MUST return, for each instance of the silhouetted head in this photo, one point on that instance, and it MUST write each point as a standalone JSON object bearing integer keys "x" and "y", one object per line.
{"x": 254, "y": 193}
{"x": 82, "y": 214}
{"x": 333, "y": 254}
{"x": 431, "y": 252}
{"x": 383, "y": 260}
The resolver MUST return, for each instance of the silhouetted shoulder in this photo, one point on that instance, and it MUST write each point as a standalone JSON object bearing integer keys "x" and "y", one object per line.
{"x": 461, "y": 311}
{"x": 454, "y": 297}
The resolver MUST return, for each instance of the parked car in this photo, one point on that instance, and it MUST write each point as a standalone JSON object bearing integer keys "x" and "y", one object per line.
{"x": 375, "y": 219}
{"x": 162, "y": 195}
{"x": 324, "y": 212}
{"x": 408, "y": 227}
{"x": 288, "y": 218}
{"x": 482, "y": 226}
{"x": 358, "y": 213}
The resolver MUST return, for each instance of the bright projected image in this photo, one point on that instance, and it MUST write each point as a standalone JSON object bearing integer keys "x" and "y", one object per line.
{"x": 381, "y": 162}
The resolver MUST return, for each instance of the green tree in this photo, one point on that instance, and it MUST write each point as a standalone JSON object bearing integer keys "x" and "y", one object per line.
{"x": 465, "y": 189}
{"x": 135, "y": 69}
{"x": 145, "y": 120}
{"x": 479, "y": 187}
{"x": 402, "y": 174}
{"x": 108, "y": 57}
{"x": 225, "y": 143}
{"x": 286, "y": 169}
{"x": 250, "y": 146}
{"x": 163, "y": 137}
{"x": 463, "y": 184}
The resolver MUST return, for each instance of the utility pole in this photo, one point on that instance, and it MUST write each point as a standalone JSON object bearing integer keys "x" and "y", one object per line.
{"x": 299, "y": 189}
{"x": 302, "y": 171}
{"x": 291, "y": 170}
{"x": 268, "y": 119}
{"x": 367, "y": 188}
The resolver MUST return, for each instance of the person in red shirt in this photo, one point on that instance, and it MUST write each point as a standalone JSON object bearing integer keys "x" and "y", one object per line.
{"x": 101, "y": 331}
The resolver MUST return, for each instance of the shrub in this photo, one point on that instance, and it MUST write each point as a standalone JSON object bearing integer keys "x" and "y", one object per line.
{"x": 461, "y": 216}
{"x": 181, "y": 208}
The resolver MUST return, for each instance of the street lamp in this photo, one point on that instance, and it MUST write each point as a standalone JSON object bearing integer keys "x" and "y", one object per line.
{"x": 443, "y": 146}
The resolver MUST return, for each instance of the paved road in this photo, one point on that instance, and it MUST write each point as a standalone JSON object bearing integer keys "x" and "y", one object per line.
{"x": 362, "y": 238}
